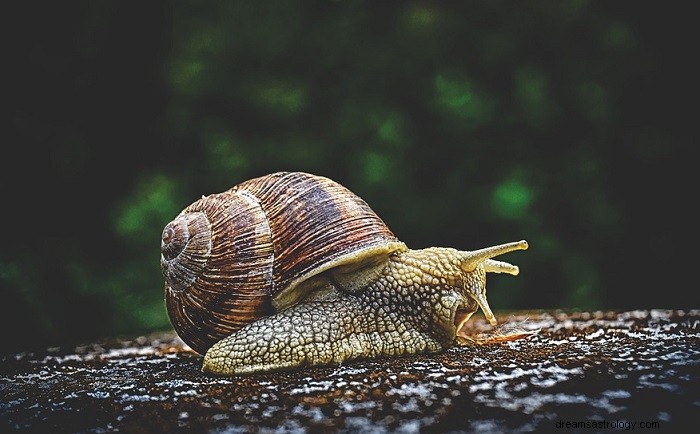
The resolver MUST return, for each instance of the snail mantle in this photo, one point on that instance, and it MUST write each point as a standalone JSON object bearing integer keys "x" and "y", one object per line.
{"x": 633, "y": 367}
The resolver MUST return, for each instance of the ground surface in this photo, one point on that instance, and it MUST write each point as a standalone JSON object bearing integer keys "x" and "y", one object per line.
{"x": 615, "y": 367}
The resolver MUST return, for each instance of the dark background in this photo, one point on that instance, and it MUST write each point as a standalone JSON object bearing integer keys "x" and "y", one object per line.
{"x": 463, "y": 124}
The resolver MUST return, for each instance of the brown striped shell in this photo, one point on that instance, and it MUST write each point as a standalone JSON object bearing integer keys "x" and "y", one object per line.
{"x": 232, "y": 257}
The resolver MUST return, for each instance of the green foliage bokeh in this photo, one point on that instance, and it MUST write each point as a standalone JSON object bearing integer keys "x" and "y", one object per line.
{"x": 463, "y": 124}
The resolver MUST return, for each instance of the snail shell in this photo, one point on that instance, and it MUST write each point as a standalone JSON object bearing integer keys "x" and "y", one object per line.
{"x": 233, "y": 257}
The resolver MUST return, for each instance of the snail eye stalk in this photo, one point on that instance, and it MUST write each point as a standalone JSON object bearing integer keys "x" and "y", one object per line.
{"x": 472, "y": 259}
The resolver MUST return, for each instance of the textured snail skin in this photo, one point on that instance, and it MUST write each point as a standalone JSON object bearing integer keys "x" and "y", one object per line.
{"x": 416, "y": 305}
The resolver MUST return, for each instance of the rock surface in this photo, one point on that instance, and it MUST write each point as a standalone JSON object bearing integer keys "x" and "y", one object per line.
{"x": 602, "y": 367}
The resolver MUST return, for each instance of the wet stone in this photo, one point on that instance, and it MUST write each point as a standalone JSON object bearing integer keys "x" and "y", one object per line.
{"x": 591, "y": 367}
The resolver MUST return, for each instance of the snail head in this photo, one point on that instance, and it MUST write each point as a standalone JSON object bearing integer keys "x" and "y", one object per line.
{"x": 477, "y": 263}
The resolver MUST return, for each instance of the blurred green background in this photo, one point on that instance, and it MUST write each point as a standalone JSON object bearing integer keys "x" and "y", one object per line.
{"x": 463, "y": 124}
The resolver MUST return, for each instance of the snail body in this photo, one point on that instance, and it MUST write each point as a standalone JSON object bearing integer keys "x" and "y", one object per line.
{"x": 292, "y": 269}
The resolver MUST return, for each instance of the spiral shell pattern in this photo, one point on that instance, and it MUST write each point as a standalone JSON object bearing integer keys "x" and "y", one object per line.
{"x": 228, "y": 256}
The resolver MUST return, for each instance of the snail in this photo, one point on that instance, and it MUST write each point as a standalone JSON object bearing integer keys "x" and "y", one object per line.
{"x": 292, "y": 269}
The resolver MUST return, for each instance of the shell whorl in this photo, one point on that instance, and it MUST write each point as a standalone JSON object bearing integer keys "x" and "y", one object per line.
{"x": 185, "y": 248}
{"x": 226, "y": 268}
